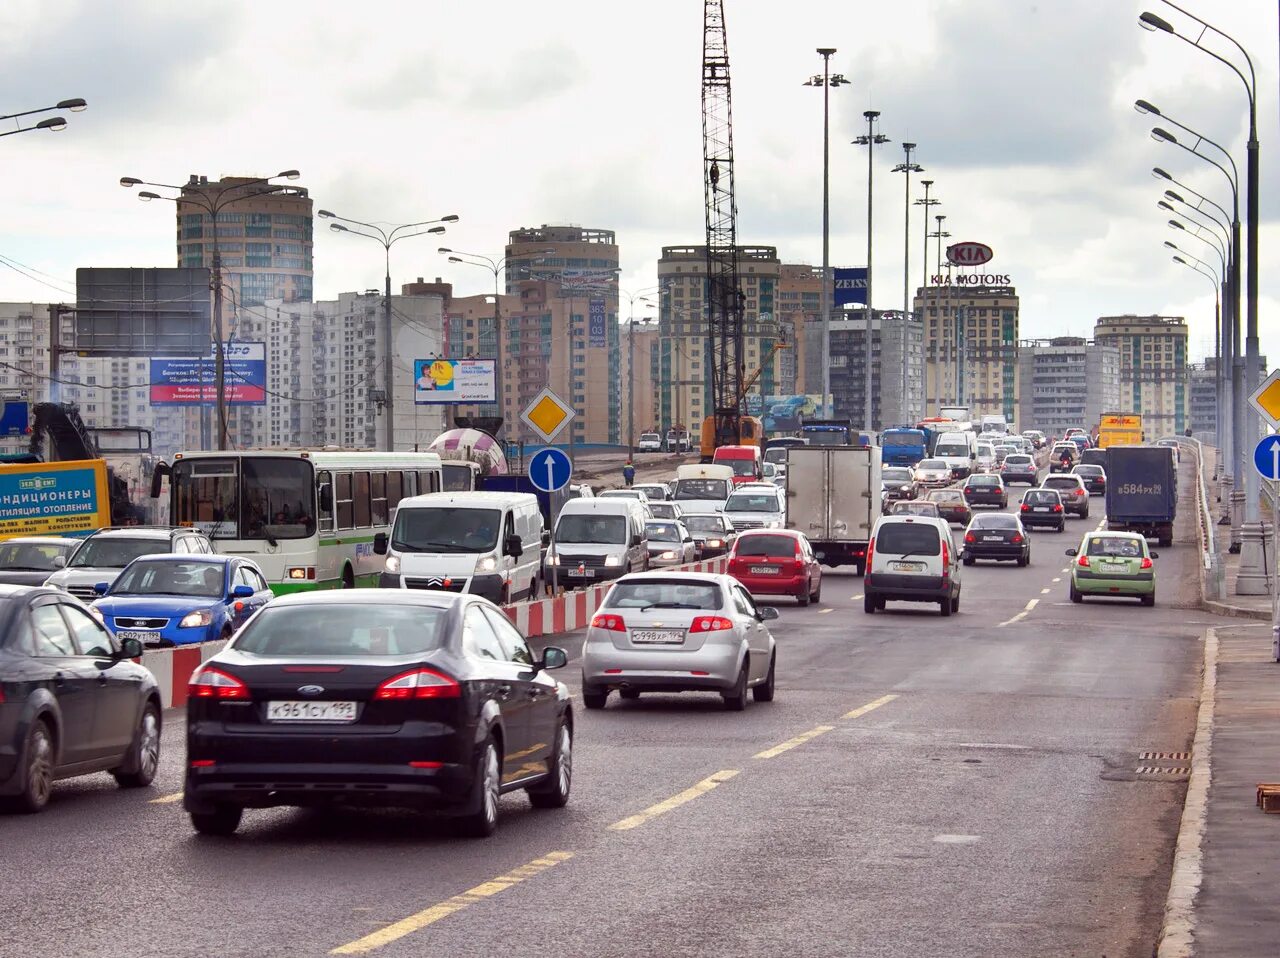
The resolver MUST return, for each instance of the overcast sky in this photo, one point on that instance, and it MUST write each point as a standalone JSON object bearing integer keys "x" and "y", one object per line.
{"x": 511, "y": 113}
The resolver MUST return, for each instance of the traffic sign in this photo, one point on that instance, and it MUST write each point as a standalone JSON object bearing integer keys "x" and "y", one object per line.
{"x": 1266, "y": 399}
{"x": 550, "y": 469}
{"x": 1266, "y": 457}
{"x": 548, "y": 414}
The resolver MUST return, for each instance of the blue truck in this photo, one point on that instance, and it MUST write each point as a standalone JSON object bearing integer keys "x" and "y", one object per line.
{"x": 903, "y": 447}
{"x": 1142, "y": 491}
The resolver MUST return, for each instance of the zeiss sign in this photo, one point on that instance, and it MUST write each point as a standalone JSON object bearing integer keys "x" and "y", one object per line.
{"x": 850, "y": 285}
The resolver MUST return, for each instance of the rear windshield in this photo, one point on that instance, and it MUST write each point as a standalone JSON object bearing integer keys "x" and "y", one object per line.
{"x": 1088, "y": 470}
{"x": 1061, "y": 482}
{"x": 1000, "y": 520}
{"x": 945, "y": 495}
{"x": 918, "y": 508}
{"x": 1041, "y": 495}
{"x": 901, "y": 538}
{"x": 766, "y": 545}
{"x": 1021, "y": 459}
{"x": 380, "y": 628}
{"x": 1114, "y": 546}
{"x": 664, "y": 594}
{"x": 702, "y": 489}
{"x": 984, "y": 480}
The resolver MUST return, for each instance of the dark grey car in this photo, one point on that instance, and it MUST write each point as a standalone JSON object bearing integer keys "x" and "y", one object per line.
{"x": 29, "y": 560}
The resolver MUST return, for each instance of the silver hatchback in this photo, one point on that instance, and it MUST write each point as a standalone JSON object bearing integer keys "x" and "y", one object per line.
{"x": 679, "y": 632}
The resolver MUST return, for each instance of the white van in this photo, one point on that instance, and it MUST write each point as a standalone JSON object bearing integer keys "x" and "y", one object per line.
{"x": 485, "y": 543}
{"x": 959, "y": 450}
{"x": 598, "y": 539}
{"x": 911, "y": 559}
{"x": 702, "y": 488}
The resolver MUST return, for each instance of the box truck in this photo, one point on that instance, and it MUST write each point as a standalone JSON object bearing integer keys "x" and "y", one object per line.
{"x": 1142, "y": 491}
{"x": 834, "y": 498}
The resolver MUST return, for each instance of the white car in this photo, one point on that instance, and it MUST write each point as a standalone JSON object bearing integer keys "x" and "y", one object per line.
{"x": 666, "y": 510}
{"x": 755, "y": 505}
{"x": 649, "y": 442}
{"x": 932, "y": 473}
{"x": 655, "y": 491}
{"x": 670, "y": 543}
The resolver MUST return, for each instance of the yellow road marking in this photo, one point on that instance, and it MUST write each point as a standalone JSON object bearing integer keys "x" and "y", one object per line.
{"x": 471, "y": 896}
{"x": 166, "y": 799}
{"x": 1021, "y": 615}
{"x": 675, "y": 801}
{"x": 870, "y": 707}
{"x": 793, "y": 742}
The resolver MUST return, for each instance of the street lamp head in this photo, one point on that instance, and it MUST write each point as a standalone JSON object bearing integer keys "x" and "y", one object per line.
{"x": 451, "y": 218}
{"x": 1179, "y": 259}
{"x": 325, "y": 214}
{"x": 1144, "y": 107}
{"x": 1160, "y": 174}
{"x": 129, "y": 181}
{"x": 1177, "y": 225}
{"x": 288, "y": 175}
{"x": 338, "y": 228}
{"x": 826, "y": 51}
{"x": 927, "y": 182}
{"x": 837, "y": 79}
{"x": 147, "y": 196}
{"x": 908, "y": 147}
{"x": 1174, "y": 196}
{"x": 437, "y": 229}
{"x": 75, "y": 105}
{"x": 444, "y": 249}
{"x": 1170, "y": 244}
{"x": 1165, "y": 206}
{"x": 54, "y": 123}
{"x": 1149, "y": 21}
{"x": 455, "y": 259}
{"x": 1160, "y": 134}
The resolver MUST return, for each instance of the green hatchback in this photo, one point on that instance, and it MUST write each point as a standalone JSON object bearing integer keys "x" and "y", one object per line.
{"x": 1113, "y": 563}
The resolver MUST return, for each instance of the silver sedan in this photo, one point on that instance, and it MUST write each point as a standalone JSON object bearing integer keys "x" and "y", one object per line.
{"x": 679, "y": 632}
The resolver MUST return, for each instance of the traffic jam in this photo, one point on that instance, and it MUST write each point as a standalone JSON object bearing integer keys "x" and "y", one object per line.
{"x": 410, "y": 686}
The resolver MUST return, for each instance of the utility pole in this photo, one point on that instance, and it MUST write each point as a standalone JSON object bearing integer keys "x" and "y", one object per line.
{"x": 870, "y": 139}
{"x": 908, "y": 168}
{"x": 924, "y": 283}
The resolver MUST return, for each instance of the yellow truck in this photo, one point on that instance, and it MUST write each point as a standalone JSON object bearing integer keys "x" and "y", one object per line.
{"x": 53, "y": 498}
{"x": 1119, "y": 429}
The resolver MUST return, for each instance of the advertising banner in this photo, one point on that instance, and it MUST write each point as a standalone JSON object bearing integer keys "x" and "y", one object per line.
{"x": 851, "y": 285}
{"x": 54, "y": 498}
{"x": 577, "y": 280}
{"x": 780, "y": 413}
{"x": 193, "y": 381}
{"x": 16, "y": 419}
{"x": 439, "y": 381}
{"x": 595, "y": 324}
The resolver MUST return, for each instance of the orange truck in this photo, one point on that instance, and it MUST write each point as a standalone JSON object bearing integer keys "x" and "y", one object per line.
{"x": 1119, "y": 429}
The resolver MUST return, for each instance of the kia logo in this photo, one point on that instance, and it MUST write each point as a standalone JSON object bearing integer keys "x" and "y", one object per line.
{"x": 311, "y": 689}
{"x": 969, "y": 254}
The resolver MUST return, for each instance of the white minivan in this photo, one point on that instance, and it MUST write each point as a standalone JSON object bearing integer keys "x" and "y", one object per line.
{"x": 598, "y": 539}
{"x": 959, "y": 450}
{"x": 911, "y": 559}
{"x": 485, "y": 543}
{"x": 703, "y": 488}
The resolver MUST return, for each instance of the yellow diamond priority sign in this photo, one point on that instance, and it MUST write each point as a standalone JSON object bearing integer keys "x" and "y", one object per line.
{"x": 1266, "y": 399}
{"x": 548, "y": 414}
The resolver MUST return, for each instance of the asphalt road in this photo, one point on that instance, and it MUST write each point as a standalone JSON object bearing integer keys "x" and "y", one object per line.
{"x": 961, "y": 787}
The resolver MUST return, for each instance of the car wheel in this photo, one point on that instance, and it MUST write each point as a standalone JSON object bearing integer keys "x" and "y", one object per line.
{"x": 1022, "y": 561}
{"x": 143, "y": 757}
{"x": 1074, "y": 593}
{"x": 36, "y": 771}
{"x": 630, "y": 694}
{"x": 968, "y": 560}
{"x": 946, "y": 606}
{"x": 554, "y": 791}
{"x": 221, "y": 822}
{"x": 955, "y": 604}
{"x": 483, "y": 819}
{"x": 817, "y": 593}
{"x": 1149, "y": 600}
{"x": 736, "y": 700}
{"x": 593, "y": 699}
{"x": 1062, "y": 526}
{"x": 764, "y": 691}
{"x": 869, "y": 604}
{"x": 803, "y": 597}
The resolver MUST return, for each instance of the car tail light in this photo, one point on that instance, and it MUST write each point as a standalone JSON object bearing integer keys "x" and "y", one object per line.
{"x": 871, "y": 552}
{"x": 1083, "y": 562}
{"x": 710, "y": 623}
{"x": 1079, "y": 492}
{"x": 970, "y": 537}
{"x": 610, "y": 623}
{"x": 1016, "y": 538}
{"x": 946, "y": 558}
{"x": 418, "y": 684}
{"x": 208, "y": 682}
{"x": 426, "y": 764}
{"x": 1025, "y": 508}
{"x": 202, "y": 763}
{"x": 968, "y": 488}
{"x": 1057, "y": 507}
{"x": 1146, "y": 562}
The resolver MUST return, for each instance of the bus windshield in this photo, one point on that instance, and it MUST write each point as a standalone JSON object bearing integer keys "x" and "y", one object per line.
{"x": 245, "y": 498}
{"x": 832, "y": 436}
{"x": 902, "y": 439}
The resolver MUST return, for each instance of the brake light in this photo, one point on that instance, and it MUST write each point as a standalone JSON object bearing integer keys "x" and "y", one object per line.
{"x": 1016, "y": 538}
{"x": 710, "y": 623}
{"x": 1025, "y": 508}
{"x": 610, "y": 623}
{"x": 208, "y": 682}
{"x": 871, "y": 552}
{"x": 968, "y": 488}
{"x": 418, "y": 684}
{"x": 1079, "y": 492}
{"x": 1083, "y": 562}
{"x": 970, "y": 537}
{"x": 202, "y": 763}
{"x": 426, "y": 764}
{"x": 1146, "y": 562}
{"x": 1057, "y": 507}
{"x": 946, "y": 558}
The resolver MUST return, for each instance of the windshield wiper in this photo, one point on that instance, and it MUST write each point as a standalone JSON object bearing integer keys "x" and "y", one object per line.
{"x": 669, "y": 605}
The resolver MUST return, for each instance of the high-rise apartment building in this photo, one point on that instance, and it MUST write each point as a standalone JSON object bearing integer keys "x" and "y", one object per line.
{"x": 798, "y": 309}
{"x": 1202, "y": 399}
{"x": 1067, "y": 381}
{"x": 641, "y": 368}
{"x": 1153, "y": 368}
{"x": 848, "y": 367}
{"x": 970, "y": 348}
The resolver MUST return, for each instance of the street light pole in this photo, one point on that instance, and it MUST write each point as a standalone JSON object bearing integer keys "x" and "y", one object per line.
{"x": 924, "y": 279}
{"x": 908, "y": 168}
{"x": 870, "y": 139}
{"x": 826, "y": 81}
{"x": 52, "y": 123}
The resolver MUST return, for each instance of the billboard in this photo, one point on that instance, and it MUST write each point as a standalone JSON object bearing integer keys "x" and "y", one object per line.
{"x": 143, "y": 312}
{"x": 579, "y": 280}
{"x": 453, "y": 381}
{"x": 781, "y": 413}
{"x": 850, "y": 285}
{"x": 193, "y": 381}
{"x": 596, "y": 335}
{"x": 16, "y": 418}
{"x": 54, "y": 498}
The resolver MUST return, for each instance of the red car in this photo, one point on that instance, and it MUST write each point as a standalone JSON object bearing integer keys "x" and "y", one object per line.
{"x": 776, "y": 562}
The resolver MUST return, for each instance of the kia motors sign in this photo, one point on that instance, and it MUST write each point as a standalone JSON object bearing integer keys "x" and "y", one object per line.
{"x": 968, "y": 254}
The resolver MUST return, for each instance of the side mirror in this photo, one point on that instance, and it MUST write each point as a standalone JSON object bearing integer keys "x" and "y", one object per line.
{"x": 326, "y": 497}
{"x": 554, "y": 657}
{"x": 1154, "y": 555}
{"x": 59, "y": 562}
{"x": 380, "y": 544}
{"x": 636, "y": 540}
{"x": 130, "y": 649}
{"x": 513, "y": 547}
{"x": 1071, "y": 552}
{"x": 161, "y": 470}
{"x": 101, "y": 587}
{"x": 242, "y": 592}
{"x": 766, "y": 613}
{"x": 546, "y": 538}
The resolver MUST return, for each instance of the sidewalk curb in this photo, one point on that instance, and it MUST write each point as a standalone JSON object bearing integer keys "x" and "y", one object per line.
{"x": 1222, "y": 608}
{"x": 1178, "y": 934}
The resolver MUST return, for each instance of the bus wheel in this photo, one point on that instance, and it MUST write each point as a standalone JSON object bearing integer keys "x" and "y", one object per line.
{"x": 348, "y": 578}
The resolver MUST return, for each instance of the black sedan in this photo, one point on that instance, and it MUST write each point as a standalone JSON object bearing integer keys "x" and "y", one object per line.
{"x": 71, "y": 701}
{"x": 986, "y": 490}
{"x": 713, "y": 534}
{"x": 998, "y": 536}
{"x": 1042, "y": 507}
{"x": 377, "y": 698}
{"x": 1095, "y": 478}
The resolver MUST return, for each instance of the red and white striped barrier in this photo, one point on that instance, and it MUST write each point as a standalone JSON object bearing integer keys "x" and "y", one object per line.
{"x": 573, "y": 610}
{"x": 565, "y": 613}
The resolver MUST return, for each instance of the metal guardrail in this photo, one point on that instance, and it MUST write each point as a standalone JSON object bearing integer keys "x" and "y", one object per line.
{"x": 1204, "y": 520}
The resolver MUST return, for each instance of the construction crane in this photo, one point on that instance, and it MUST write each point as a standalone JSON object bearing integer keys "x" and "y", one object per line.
{"x": 764, "y": 362}
{"x": 724, "y": 295}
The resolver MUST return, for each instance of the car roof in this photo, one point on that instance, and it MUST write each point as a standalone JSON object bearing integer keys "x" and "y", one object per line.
{"x": 45, "y": 540}
{"x": 142, "y": 532}
{"x": 789, "y": 533}
{"x": 10, "y": 591}
{"x": 207, "y": 558}
{"x": 1115, "y": 534}
{"x": 709, "y": 578}
{"x": 423, "y": 597}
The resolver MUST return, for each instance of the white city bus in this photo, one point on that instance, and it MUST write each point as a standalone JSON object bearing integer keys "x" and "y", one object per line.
{"x": 308, "y": 518}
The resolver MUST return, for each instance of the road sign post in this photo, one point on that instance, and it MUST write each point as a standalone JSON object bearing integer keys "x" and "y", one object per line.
{"x": 550, "y": 471}
{"x": 1266, "y": 459}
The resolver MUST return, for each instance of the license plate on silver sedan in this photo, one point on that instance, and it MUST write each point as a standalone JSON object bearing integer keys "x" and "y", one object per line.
{"x": 657, "y": 636}
{"x": 311, "y": 711}
{"x": 765, "y": 570}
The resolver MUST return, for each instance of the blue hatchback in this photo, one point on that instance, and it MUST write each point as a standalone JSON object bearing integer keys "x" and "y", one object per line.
{"x": 182, "y": 599}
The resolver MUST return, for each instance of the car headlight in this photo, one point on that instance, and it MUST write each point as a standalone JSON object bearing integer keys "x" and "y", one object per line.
{"x": 553, "y": 560}
{"x": 667, "y": 555}
{"x": 487, "y": 564}
{"x": 196, "y": 619}
{"x": 612, "y": 561}
{"x": 715, "y": 543}
{"x": 904, "y": 488}
{"x": 393, "y": 564}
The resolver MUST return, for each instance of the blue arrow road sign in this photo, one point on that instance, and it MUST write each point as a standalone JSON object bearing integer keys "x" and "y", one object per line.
{"x": 550, "y": 469}
{"x": 1266, "y": 457}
